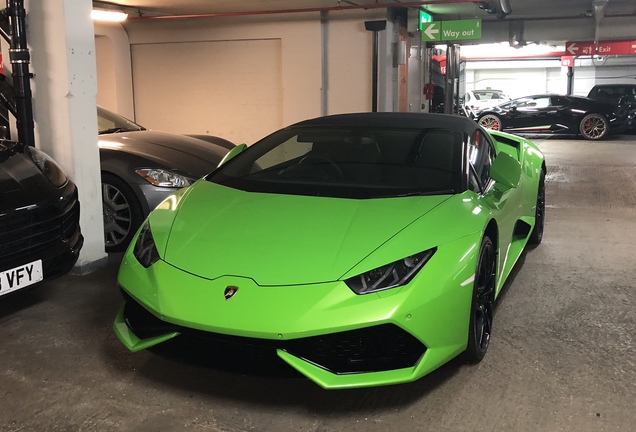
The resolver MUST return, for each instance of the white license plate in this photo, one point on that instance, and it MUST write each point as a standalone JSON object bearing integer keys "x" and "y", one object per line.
{"x": 20, "y": 277}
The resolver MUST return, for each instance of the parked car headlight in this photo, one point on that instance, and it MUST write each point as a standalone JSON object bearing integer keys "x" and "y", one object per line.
{"x": 48, "y": 166}
{"x": 392, "y": 275}
{"x": 145, "y": 249}
{"x": 164, "y": 178}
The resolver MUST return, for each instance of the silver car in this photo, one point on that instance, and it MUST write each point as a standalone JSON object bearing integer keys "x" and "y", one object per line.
{"x": 140, "y": 168}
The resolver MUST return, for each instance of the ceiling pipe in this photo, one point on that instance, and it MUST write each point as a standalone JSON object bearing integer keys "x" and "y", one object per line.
{"x": 599, "y": 14}
{"x": 415, "y": 4}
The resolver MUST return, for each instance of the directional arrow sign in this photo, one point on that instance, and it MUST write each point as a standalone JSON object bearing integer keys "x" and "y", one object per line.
{"x": 430, "y": 32}
{"x": 588, "y": 48}
{"x": 452, "y": 30}
{"x": 580, "y": 48}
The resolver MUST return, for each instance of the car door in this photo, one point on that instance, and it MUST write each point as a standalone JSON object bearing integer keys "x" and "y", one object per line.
{"x": 503, "y": 203}
{"x": 557, "y": 114}
{"x": 531, "y": 113}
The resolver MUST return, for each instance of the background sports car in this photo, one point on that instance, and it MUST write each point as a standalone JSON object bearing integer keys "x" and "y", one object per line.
{"x": 140, "y": 168}
{"x": 476, "y": 100}
{"x": 362, "y": 249}
{"x": 549, "y": 113}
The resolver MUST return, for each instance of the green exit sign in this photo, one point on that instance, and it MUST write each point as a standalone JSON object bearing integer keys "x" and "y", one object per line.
{"x": 424, "y": 18}
{"x": 451, "y": 30}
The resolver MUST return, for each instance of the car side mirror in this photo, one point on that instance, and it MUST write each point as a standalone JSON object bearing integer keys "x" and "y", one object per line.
{"x": 232, "y": 153}
{"x": 506, "y": 170}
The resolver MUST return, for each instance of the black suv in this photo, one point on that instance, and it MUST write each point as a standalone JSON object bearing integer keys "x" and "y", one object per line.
{"x": 621, "y": 95}
{"x": 40, "y": 237}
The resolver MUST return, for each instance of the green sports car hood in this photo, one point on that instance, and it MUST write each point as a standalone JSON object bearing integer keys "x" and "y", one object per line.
{"x": 213, "y": 231}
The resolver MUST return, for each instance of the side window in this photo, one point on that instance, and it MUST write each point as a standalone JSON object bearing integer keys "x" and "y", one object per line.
{"x": 473, "y": 183}
{"x": 558, "y": 101}
{"x": 480, "y": 154}
{"x": 539, "y": 102}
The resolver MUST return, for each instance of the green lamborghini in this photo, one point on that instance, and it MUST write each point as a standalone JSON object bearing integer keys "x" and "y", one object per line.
{"x": 360, "y": 249}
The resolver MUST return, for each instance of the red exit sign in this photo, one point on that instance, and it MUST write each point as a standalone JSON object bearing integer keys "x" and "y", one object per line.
{"x": 584, "y": 48}
{"x": 616, "y": 48}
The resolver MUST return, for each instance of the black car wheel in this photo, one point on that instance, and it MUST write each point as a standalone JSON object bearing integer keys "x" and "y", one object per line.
{"x": 593, "y": 127}
{"x": 491, "y": 121}
{"x": 122, "y": 213}
{"x": 481, "y": 310}
{"x": 539, "y": 218}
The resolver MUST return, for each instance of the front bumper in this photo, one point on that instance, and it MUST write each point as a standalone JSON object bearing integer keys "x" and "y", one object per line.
{"x": 50, "y": 233}
{"x": 326, "y": 332}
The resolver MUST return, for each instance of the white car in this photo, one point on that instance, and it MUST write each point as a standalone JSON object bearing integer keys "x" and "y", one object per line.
{"x": 477, "y": 100}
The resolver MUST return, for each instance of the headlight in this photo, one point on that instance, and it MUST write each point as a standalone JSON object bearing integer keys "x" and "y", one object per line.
{"x": 391, "y": 275}
{"x": 145, "y": 250}
{"x": 164, "y": 178}
{"x": 48, "y": 166}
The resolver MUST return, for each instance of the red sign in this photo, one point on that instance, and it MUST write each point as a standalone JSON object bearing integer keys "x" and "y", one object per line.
{"x": 580, "y": 48}
{"x": 586, "y": 48}
{"x": 567, "y": 61}
{"x": 614, "y": 47}
{"x": 442, "y": 62}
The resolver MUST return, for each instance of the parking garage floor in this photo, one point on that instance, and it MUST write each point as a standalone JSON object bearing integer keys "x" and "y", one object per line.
{"x": 562, "y": 357}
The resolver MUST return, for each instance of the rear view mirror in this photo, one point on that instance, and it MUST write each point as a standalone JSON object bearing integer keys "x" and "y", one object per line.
{"x": 506, "y": 170}
{"x": 232, "y": 153}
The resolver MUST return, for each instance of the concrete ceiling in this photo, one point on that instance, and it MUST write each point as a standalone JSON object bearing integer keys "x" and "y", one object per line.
{"x": 520, "y": 9}
{"x": 549, "y": 20}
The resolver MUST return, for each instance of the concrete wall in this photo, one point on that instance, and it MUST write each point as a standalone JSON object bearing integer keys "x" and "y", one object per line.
{"x": 239, "y": 78}
{"x": 525, "y": 77}
{"x": 114, "y": 73}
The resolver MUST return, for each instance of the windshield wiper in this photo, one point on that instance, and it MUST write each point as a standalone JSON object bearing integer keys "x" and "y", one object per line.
{"x": 118, "y": 129}
{"x": 112, "y": 130}
{"x": 422, "y": 193}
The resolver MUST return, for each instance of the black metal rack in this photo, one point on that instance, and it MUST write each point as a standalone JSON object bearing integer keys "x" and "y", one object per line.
{"x": 16, "y": 96}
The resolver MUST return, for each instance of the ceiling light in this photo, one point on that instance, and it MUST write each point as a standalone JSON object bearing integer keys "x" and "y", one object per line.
{"x": 108, "y": 15}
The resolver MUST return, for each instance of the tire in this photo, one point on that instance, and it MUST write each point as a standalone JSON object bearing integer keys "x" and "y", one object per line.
{"x": 122, "y": 213}
{"x": 593, "y": 127}
{"x": 491, "y": 121}
{"x": 482, "y": 303}
{"x": 539, "y": 216}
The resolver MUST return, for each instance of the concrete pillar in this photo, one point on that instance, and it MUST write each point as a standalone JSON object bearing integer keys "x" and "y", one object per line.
{"x": 62, "y": 44}
{"x": 387, "y": 70}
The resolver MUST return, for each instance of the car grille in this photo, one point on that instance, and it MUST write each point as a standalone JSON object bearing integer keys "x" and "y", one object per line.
{"x": 370, "y": 349}
{"x": 27, "y": 233}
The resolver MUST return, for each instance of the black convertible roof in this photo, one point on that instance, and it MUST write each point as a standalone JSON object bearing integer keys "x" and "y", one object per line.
{"x": 393, "y": 120}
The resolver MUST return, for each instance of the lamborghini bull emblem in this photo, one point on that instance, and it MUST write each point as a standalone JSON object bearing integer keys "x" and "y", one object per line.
{"x": 230, "y": 291}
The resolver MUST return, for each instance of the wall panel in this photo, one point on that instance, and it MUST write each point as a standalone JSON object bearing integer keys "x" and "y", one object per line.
{"x": 216, "y": 88}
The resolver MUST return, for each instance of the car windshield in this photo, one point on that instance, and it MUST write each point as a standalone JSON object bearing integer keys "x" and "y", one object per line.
{"x": 349, "y": 163}
{"x": 108, "y": 122}
{"x": 489, "y": 95}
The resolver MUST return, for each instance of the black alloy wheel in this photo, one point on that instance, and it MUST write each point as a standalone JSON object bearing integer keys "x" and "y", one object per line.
{"x": 122, "y": 213}
{"x": 481, "y": 310}
{"x": 539, "y": 216}
{"x": 593, "y": 127}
